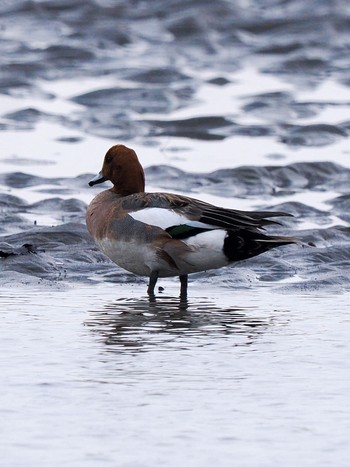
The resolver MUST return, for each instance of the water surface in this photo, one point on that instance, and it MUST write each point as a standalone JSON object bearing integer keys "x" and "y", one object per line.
{"x": 92, "y": 376}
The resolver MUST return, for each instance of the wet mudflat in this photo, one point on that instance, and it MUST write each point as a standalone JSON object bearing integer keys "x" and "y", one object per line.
{"x": 242, "y": 106}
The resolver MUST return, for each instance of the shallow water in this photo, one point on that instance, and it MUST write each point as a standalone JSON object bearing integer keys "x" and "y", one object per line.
{"x": 242, "y": 104}
{"x": 91, "y": 377}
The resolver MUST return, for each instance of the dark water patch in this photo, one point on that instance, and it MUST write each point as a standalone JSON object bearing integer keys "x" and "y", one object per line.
{"x": 312, "y": 135}
{"x": 65, "y": 55}
{"x": 130, "y": 99}
{"x": 23, "y": 180}
{"x": 28, "y": 118}
{"x": 204, "y": 128}
{"x": 280, "y": 49}
{"x": 29, "y": 115}
{"x": 303, "y": 66}
{"x": 10, "y": 85}
{"x": 345, "y": 126}
{"x": 253, "y": 131}
{"x": 27, "y": 71}
{"x": 20, "y": 87}
{"x": 114, "y": 124}
{"x": 158, "y": 75}
{"x": 280, "y": 107}
{"x": 219, "y": 81}
{"x": 218, "y": 128}
{"x": 70, "y": 139}
{"x": 18, "y": 180}
{"x": 341, "y": 206}
{"x": 24, "y": 119}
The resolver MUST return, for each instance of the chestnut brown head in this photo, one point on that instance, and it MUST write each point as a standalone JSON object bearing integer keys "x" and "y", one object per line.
{"x": 122, "y": 167}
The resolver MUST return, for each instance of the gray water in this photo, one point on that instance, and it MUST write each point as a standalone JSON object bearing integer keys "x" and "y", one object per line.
{"x": 242, "y": 104}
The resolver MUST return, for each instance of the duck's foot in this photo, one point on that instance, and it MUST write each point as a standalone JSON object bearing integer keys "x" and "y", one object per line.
{"x": 183, "y": 287}
{"x": 152, "y": 283}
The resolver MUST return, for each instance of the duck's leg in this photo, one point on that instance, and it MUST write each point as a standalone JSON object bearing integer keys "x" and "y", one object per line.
{"x": 152, "y": 282}
{"x": 183, "y": 288}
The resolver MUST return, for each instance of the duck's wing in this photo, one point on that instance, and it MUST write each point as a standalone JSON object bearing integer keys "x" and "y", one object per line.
{"x": 183, "y": 217}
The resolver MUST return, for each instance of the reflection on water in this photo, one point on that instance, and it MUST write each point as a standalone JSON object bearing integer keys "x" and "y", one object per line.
{"x": 144, "y": 324}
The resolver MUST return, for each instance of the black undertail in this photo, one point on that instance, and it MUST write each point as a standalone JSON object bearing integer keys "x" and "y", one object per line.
{"x": 244, "y": 244}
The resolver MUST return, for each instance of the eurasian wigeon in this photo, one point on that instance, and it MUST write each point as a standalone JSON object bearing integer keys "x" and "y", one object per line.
{"x": 164, "y": 234}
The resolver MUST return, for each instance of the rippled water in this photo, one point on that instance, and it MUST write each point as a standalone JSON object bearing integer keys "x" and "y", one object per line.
{"x": 244, "y": 104}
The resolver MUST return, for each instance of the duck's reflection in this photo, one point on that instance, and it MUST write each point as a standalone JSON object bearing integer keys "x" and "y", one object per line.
{"x": 143, "y": 324}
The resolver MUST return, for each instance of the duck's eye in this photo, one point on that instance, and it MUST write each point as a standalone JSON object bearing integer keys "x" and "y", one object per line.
{"x": 109, "y": 159}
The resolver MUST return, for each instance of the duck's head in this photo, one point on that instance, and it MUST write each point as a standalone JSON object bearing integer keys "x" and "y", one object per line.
{"x": 122, "y": 167}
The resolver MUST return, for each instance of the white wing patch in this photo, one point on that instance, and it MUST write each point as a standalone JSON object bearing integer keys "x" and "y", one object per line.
{"x": 165, "y": 218}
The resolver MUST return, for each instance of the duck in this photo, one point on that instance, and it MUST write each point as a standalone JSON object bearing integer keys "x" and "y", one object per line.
{"x": 165, "y": 234}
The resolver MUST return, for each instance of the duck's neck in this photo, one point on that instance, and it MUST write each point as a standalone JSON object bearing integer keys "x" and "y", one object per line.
{"x": 125, "y": 186}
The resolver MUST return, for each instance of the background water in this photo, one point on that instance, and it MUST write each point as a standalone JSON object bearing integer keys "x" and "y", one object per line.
{"x": 244, "y": 104}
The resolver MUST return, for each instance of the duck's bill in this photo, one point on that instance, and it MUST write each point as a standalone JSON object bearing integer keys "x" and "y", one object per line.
{"x": 98, "y": 179}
